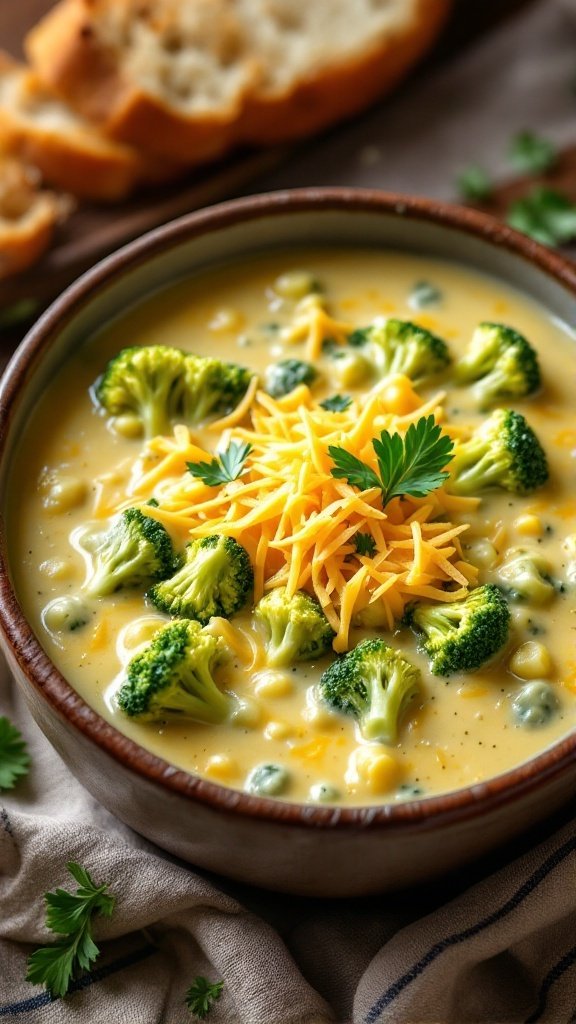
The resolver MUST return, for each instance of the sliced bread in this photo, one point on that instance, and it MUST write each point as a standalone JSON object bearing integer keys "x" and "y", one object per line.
{"x": 190, "y": 78}
{"x": 28, "y": 216}
{"x": 69, "y": 151}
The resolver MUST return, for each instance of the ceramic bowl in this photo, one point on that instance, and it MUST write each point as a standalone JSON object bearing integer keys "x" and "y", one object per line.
{"x": 321, "y": 851}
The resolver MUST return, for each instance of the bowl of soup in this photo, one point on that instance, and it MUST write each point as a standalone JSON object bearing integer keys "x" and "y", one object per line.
{"x": 288, "y": 536}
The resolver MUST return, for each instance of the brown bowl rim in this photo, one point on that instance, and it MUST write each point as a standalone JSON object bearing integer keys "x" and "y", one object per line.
{"x": 20, "y": 640}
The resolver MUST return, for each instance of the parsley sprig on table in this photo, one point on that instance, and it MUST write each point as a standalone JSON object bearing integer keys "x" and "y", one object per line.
{"x": 14, "y": 757}
{"x": 413, "y": 464}
{"x": 474, "y": 184}
{"x": 531, "y": 153}
{"x": 227, "y": 467}
{"x": 69, "y": 915}
{"x": 546, "y": 215}
{"x": 202, "y": 994}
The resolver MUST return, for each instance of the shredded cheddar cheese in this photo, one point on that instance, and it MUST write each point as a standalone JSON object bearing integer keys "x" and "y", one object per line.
{"x": 298, "y": 522}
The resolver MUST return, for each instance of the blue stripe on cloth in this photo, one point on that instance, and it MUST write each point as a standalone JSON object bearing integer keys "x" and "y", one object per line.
{"x": 556, "y": 972}
{"x": 529, "y": 885}
{"x": 44, "y": 998}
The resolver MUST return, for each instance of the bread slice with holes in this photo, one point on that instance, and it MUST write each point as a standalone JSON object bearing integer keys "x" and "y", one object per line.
{"x": 191, "y": 78}
{"x": 28, "y": 216}
{"x": 70, "y": 152}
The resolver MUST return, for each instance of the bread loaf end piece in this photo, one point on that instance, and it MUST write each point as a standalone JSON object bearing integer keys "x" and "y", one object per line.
{"x": 28, "y": 217}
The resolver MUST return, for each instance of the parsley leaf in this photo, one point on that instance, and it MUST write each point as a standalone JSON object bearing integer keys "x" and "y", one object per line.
{"x": 356, "y": 472}
{"x": 227, "y": 467}
{"x": 336, "y": 403}
{"x": 365, "y": 544}
{"x": 474, "y": 184}
{"x": 70, "y": 915}
{"x": 410, "y": 465}
{"x": 14, "y": 757}
{"x": 532, "y": 154}
{"x": 545, "y": 215}
{"x": 202, "y": 994}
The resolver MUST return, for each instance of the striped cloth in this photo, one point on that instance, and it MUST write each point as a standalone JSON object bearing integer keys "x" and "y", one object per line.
{"x": 496, "y": 945}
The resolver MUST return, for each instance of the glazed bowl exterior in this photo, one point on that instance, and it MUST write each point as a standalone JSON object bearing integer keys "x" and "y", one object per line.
{"x": 319, "y": 851}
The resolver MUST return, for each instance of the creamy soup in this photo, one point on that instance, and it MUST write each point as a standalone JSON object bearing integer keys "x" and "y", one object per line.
{"x": 77, "y": 467}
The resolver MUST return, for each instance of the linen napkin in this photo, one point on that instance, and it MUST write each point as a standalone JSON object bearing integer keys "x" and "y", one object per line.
{"x": 495, "y": 943}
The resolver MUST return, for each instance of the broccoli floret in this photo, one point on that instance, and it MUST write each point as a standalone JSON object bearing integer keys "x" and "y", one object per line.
{"x": 400, "y": 346}
{"x": 527, "y": 575}
{"x": 535, "y": 704}
{"x": 214, "y": 580}
{"x": 503, "y": 452}
{"x": 211, "y": 387}
{"x": 148, "y": 382}
{"x": 374, "y": 683}
{"x": 133, "y": 552}
{"x": 501, "y": 362}
{"x": 461, "y": 636}
{"x": 283, "y": 377}
{"x": 173, "y": 675}
{"x": 160, "y": 384}
{"x": 296, "y": 627}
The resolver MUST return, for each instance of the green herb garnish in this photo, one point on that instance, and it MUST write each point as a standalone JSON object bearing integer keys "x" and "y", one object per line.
{"x": 18, "y": 313}
{"x": 545, "y": 215}
{"x": 474, "y": 184}
{"x": 532, "y": 154}
{"x": 410, "y": 465}
{"x": 227, "y": 467}
{"x": 365, "y": 544}
{"x": 202, "y": 994}
{"x": 336, "y": 403}
{"x": 424, "y": 294}
{"x": 70, "y": 915}
{"x": 14, "y": 757}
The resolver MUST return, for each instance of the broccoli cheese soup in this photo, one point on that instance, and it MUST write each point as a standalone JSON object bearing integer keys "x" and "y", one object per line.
{"x": 306, "y": 526}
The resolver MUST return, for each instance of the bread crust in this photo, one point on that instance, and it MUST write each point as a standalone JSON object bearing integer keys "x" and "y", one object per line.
{"x": 70, "y": 154}
{"x": 65, "y": 50}
{"x": 27, "y": 233}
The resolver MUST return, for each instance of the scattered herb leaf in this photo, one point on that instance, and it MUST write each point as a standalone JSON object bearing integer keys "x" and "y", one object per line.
{"x": 474, "y": 184}
{"x": 546, "y": 215}
{"x": 336, "y": 403}
{"x": 424, "y": 294}
{"x": 329, "y": 346}
{"x": 532, "y": 154}
{"x": 18, "y": 313}
{"x": 153, "y": 503}
{"x": 202, "y": 994}
{"x": 410, "y": 465}
{"x": 365, "y": 544}
{"x": 70, "y": 915}
{"x": 227, "y": 467}
{"x": 14, "y": 757}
